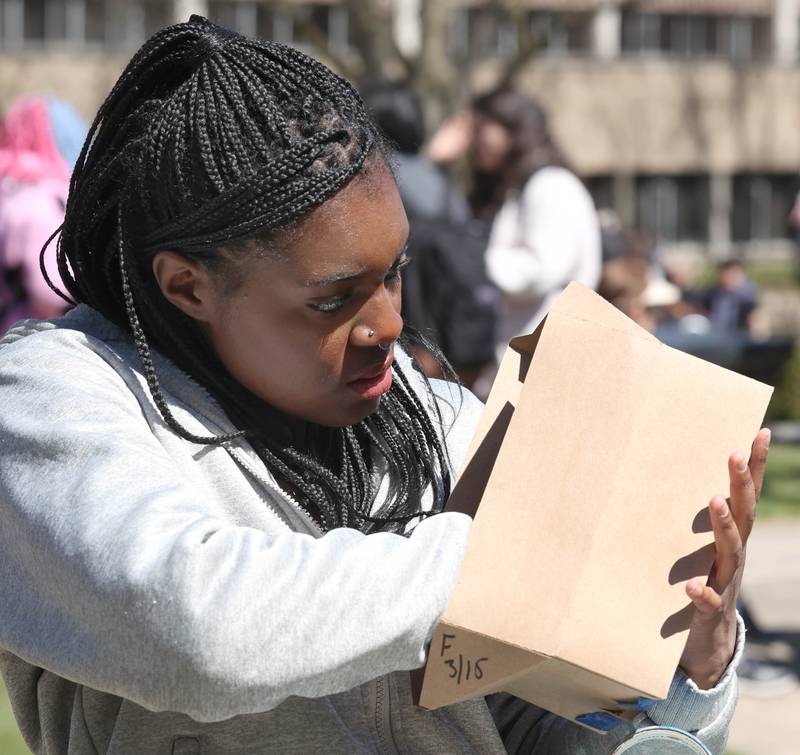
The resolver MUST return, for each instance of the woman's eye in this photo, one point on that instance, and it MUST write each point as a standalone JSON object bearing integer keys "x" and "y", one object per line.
{"x": 333, "y": 304}
{"x": 394, "y": 274}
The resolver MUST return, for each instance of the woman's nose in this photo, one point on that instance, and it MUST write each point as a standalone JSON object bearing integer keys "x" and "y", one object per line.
{"x": 380, "y": 323}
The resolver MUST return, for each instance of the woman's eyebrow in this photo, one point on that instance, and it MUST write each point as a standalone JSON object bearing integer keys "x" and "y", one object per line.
{"x": 335, "y": 278}
{"x": 327, "y": 280}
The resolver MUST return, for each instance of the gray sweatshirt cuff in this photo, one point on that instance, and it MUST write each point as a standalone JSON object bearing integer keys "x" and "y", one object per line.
{"x": 691, "y": 708}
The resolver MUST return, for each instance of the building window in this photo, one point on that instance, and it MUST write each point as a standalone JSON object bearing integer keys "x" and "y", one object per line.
{"x": 458, "y": 33}
{"x": 602, "y": 190}
{"x": 489, "y": 34}
{"x": 80, "y": 23}
{"x": 761, "y": 205}
{"x": 561, "y": 33}
{"x": 156, "y": 15}
{"x": 741, "y": 39}
{"x": 256, "y": 19}
{"x": 34, "y": 20}
{"x": 282, "y": 28}
{"x": 339, "y": 28}
{"x": 687, "y": 36}
{"x": 674, "y": 208}
{"x": 641, "y": 32}
{"x": 735, "y": 38}
{"x": 485, "y": 32}
{"x": 238, "y": 16}
{"x": 332, "y": 22}
{"x": 95, "y": 21}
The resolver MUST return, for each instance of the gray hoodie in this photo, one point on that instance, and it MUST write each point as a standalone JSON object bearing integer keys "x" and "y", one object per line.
{"x": 162, "y": 597}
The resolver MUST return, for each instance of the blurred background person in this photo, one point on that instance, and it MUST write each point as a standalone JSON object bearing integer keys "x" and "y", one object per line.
{"x": 623, "y": 284}
{"x": 426, "y": 191}
{"x": 544, "y": 227}
{"x": 40, "y": 139}
{"x": 545, "y": 230}
{"x": 447, "y": 296}
{"x": 612, "y": 236}
{"x": 732, "y": 302}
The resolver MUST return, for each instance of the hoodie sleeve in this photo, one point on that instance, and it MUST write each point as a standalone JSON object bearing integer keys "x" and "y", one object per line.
{"x": 707, "y": 714}
{"x": 120, "y": 576}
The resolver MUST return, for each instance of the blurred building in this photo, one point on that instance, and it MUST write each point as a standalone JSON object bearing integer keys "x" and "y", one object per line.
{"x": 683, "y": 115}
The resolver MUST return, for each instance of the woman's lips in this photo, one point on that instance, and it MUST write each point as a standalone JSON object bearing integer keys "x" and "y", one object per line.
{"x": 372, "y": 387}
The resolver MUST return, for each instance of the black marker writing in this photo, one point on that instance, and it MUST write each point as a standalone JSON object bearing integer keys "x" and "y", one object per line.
{"x": 445, "y": 638}
{"x": 461, "y": 668}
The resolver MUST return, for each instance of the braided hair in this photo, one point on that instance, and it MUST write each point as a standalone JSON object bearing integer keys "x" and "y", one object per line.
{"x": 208, "y": 141}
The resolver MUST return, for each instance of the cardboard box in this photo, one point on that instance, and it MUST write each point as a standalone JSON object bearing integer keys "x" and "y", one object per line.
{"x": 591, "y": 471}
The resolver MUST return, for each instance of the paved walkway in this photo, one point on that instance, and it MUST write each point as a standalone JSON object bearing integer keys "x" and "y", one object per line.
{"x": 772, "y": 589}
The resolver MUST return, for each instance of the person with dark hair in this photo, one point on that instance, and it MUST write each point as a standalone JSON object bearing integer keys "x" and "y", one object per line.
{"x": 545, "y": 230}
{"x": 446, "y": 294}
{"x": 222, "y": 481}
{"x": 426, "y": 192}
{"x": 732, "y": 303}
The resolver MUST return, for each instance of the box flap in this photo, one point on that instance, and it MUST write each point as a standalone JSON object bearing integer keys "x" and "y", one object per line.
{"x": 494, "y": 422}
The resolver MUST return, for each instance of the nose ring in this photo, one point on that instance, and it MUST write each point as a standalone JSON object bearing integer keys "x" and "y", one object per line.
{"x": 382, "y": 347}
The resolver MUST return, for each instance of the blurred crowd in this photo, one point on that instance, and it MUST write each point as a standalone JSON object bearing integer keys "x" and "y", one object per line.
{"x": 494, "y": 248}
{"x": 499, "y": 225}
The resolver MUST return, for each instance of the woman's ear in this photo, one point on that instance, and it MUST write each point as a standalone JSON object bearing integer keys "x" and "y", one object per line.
{"x": 184, "y": 283}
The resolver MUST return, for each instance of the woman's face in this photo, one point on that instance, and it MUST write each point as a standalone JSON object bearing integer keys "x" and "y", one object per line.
{"x": 296, "y": 331}
{"x": 491, "y": 144}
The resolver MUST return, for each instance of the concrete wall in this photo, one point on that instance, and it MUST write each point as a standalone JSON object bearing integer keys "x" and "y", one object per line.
{"x": 83, "y": 79}
{"x": 625, "y": 116}
{"x": 661, "y": 116}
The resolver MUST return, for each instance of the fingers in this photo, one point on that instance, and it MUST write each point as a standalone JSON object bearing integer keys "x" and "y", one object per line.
{"x": 728, "y": 544}
{"x": 743, "y": 495}
{"x": 706, "y": 600}
{"x": 746, "y": 479}
{"x": 758, "y": 458}
{"x": 732, "y": 524}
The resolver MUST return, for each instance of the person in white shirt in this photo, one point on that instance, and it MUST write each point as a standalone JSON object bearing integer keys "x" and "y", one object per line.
{"x": 545, "y": 232}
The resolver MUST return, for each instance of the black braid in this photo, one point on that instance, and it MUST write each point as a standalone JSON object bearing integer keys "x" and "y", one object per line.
{"x": 207, "y": 141}
{"x": 52, "y": 286}
{"x": 150, "y": 371}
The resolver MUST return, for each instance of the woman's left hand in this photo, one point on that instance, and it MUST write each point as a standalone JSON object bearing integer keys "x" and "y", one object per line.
{"x": 712, "y": 633}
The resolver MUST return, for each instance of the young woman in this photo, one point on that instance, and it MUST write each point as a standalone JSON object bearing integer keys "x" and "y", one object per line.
{"x": 545, "y": 230}
{"x": 221, "y": 476}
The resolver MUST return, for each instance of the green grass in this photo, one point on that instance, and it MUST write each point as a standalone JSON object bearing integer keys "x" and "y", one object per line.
{"x": 773, "y": 273}
{"x": 765, "y": 273}
{"x": 10, "y": 741}
{"x": 780, "y": 495}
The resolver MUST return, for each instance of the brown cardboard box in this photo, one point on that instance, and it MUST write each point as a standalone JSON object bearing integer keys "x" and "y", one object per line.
{"x": 592, "y": 467}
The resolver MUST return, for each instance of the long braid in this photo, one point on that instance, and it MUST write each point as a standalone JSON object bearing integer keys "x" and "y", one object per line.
{"x": 207, "y": 141}
{"x": 149, "y": 370}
